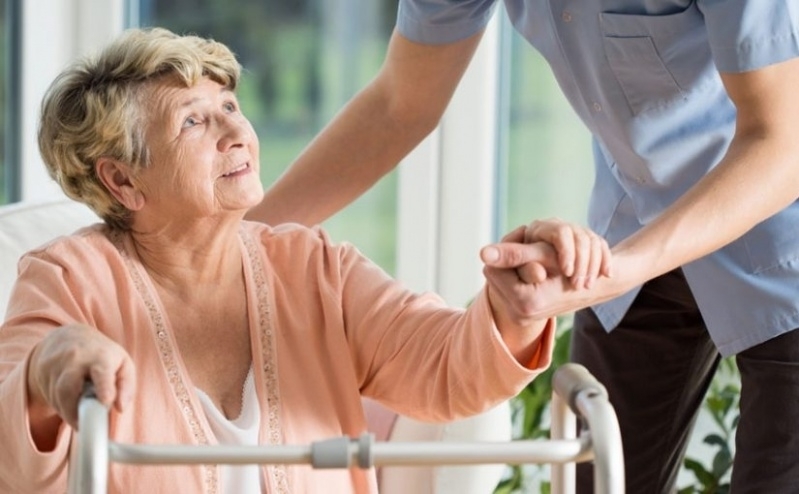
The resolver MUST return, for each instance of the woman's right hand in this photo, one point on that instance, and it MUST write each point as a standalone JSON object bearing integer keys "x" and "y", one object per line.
{"x": 63, "y": 361}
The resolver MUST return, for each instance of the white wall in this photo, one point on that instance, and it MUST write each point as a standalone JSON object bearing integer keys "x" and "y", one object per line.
{"x": 54, "y": 32}
{"x": 447, "y": 187}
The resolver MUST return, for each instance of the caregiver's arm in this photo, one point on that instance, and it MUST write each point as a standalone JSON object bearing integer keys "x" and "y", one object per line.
{"x": 373, "y": 132}
{"x": 758, "y": 177}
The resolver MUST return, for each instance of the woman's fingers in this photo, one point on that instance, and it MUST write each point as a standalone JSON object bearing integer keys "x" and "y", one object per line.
{"x": 126, "y": 384}
{"x": 65, "y": 393}
{"x": 102, "y": 374}
{"x": 532, "y": 273}
{"x": 71, "y": 355}
{"x": 513, "y": 255}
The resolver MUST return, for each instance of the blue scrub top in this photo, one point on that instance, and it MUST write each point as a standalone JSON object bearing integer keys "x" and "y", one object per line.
{"x": 643, "y": 75}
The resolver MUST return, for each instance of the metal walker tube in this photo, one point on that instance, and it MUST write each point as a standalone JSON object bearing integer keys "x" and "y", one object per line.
{"x": 575, "y": 392}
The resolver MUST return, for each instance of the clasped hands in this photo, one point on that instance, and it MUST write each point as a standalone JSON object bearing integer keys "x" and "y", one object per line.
{"x": 544, "y": 269}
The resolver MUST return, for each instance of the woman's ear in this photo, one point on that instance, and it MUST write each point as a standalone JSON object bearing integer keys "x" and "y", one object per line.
{"x": 117, "y": 178}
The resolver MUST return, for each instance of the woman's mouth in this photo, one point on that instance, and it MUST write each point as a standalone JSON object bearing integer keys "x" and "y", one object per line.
{"x": 238, "y": 171}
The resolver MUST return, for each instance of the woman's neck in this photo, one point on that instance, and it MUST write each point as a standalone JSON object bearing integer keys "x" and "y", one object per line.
{"x": 190, "y": 258}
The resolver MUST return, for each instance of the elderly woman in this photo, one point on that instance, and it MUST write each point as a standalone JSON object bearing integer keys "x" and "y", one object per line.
{"x": 198, "y": 327}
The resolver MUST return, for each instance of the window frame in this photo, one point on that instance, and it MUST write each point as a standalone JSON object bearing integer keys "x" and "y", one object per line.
{"x": 448, "y": 195}
{"x": 73, "y": 28}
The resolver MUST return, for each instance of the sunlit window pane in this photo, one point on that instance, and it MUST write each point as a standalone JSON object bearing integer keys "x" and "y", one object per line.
{"x": 548, "y": 169}
{"x": 303, "y": 60}
{"x": 4, "y": 73}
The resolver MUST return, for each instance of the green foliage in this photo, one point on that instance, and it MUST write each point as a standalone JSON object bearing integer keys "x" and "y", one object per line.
{"x": 722, "y": 406}
{"x": 532, "y": 403}
{"x": 530, "y": 407}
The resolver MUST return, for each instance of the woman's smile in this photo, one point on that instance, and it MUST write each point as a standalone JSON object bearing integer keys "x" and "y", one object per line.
{"x": 243, "y": 169}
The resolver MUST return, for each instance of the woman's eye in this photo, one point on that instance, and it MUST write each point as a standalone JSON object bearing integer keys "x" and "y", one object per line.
{"x": 190, "y": 122}
{"x": 230, "y": 107}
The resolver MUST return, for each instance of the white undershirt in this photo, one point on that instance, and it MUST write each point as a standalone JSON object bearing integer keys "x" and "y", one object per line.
{"x": 243, "y": 430}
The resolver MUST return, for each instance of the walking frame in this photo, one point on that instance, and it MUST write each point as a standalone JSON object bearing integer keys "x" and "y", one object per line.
{"x": 576, "y": 394}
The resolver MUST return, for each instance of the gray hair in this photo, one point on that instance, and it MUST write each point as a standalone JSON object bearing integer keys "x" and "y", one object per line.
{"x": 93, "y": 109}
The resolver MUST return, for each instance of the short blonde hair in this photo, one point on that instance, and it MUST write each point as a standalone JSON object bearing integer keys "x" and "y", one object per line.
{"x": 93, "y": 109}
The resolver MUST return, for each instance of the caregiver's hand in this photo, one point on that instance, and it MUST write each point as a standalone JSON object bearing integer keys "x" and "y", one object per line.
{"x": 516, "y": 268}
{"x": 583, "y": 256}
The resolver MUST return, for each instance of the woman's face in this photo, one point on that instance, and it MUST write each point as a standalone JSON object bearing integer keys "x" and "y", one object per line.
{"x": 203, "y": 152}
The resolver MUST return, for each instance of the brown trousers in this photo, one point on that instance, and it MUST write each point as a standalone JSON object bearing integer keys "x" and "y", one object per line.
{"x": 657, "y": 365}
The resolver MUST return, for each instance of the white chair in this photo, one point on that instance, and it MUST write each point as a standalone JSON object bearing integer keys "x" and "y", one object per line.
{"x": 24, "y": 226}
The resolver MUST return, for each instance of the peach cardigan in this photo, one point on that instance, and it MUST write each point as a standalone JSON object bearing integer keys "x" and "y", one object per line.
{"x": 327, "y": 326}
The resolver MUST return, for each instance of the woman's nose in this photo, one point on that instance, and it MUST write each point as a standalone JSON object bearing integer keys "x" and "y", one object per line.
{"x": 236, "y": 131}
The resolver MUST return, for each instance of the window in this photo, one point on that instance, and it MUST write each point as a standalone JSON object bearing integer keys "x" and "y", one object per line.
{"x": 302, "y": 61}
{"x": 545, "y": 158}
{"x": 8, "y": 170}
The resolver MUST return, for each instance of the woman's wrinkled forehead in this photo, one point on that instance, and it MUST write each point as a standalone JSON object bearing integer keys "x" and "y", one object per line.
{"x": 163, "y": 100}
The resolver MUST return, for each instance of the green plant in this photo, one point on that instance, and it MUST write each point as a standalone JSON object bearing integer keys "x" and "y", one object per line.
{"x": 530, "y": 408}
{"x": 721, "y": 404}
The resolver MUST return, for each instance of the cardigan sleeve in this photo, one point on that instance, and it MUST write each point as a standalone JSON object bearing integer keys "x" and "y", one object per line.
{"x": 420, "y": 356}
{"x": 41, "y": 301}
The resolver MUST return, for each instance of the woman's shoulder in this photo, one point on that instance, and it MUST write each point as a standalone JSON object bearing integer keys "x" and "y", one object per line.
{"x": 287, "y": 234}
{"x": 293, "y": 242}
{"x": 89, "y": 242}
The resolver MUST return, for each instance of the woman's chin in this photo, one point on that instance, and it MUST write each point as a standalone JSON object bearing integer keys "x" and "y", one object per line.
{"x": 245, "y": 200}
